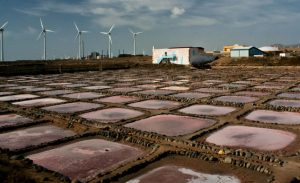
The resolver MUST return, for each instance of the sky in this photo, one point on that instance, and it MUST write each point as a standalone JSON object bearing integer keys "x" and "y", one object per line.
{"x": 165, "y": 23}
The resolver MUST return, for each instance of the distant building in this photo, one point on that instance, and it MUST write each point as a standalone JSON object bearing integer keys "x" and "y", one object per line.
{"x": 250, "y": 51}
{"x": 94, "y": 56}
{"x": 270, "y": 50}
{"x": 181, "y": 56}
{"x": 285, "y": 55}
{"x": 227, "y": 48}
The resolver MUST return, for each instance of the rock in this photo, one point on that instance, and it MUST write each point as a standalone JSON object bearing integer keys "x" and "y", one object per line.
{"x": 228, "y": 160}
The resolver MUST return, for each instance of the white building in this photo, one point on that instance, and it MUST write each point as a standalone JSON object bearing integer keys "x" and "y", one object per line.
{"x": 181, "y": 56}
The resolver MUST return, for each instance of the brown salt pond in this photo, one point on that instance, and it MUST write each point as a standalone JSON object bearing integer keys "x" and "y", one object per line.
{"x": 83, "y": 95}
{"x": 13, "y": 119}
{"x": 17, "y": 97}
{"x": 236, "y": 99}
{"x": 57, "y": 92}
{"x": 36, "y": 89}
{"x": 32, "y": 136}
{"x": 266, "y": 116}
{"x": 176, "y": 88}
{"x": 72, "y": 107}
{"x": 171, "y": 125}
{"x": 111, "y": 115}
{"x": 172, "y": 174}
{"x": 191, "y": 95}
{"x": 252, "y": 93}
{"x": 7, "y": 85}
{"x": 149, "y": 86}
{"x": 155, "y": 92}
{"x": 251, "y": 137}
{"x": 285, "y": 103}
{"x": 85, "y": 159}
{"x": 289, "y": 95}
{"x": 118, "y": 99}
{"x": 58, "y": 84}
{"x": 207, "y": 110}
{"x": 231, "y": 85}
{"x": 155, "y": 104}
{"x": 39, "y": 102}
{"x": 269, "y": 87}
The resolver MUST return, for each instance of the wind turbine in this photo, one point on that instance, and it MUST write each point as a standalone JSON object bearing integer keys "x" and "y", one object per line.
{"x": 80, "y": 41}
{"x": 44, "y": 32}
{"x": 134, "y": 34}
{"x": 2, "y": 40}
{"x": 109, "y": 40}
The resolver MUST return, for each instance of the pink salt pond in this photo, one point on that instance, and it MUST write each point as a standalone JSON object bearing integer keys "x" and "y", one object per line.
{"x": 6, "y": 93}
{"x": 155, "y": 92}
{"x": 191, "y": 95}
{"x": 56, "y": 92}
{"x": 32, "y": 136}
{"x": 289, "y": 95}
{"x": 212, "y": 90}
{"x": 207, "y": 110}
{"x": 155, "y": 104}
{"x": 149, "y": 86}
{"x": 17, "y": 97}
{"x": 85, "y": 159}
{"x": 176, "y": 88}
{"x": 72, "y": 107}
{"x": 125, "y": 89}
{"x": 285, "y": 103}
{"x": 39, "y": 102}
{"x": 118, "y": 99}
{"x": 274, "y": 117}
{"x": 83, "y": 95}
{"x": 111, "y": 115}
{"x": 13, "y": 119}
{"x": 96, "y": 87}
{"x": 236, "y": 99}
{"x": 171, "y": 125}
{"x": 177, "y": 174}
{"x": 251, "y": 137}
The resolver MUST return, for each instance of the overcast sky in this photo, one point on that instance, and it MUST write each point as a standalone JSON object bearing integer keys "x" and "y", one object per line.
{"x": 165, "y": 23}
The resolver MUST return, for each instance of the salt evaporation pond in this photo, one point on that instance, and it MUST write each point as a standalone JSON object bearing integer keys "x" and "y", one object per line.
{"x": 285, "y": 103}
{"x": 155, "y": 92}
{"x": 252, "y": 137}
{"x": 96, "y": 87}
{"x": 13, "y": 119}
{"x": 176, "y": 174}
{"x": 57, "y": 92}
{"x": 17, "y": 97}
{"x": 111, "y": 115}
{"x": 125, "y": 89}
{"x": 39, "y": 102}
{"x": 171, "y": 125}
{"x": 118, "y": 99}
{"x": 85, "y": 159}
{"x": 32, "y": 136}
{"x": 83, "y": 95}
{"x": 38, "y": 89}
{"x": 268, "y": 87}
{"x": 266, "y": 116}
{"x": 72, "y": 107}
{"x": 155, "y": 104}
{"x": 212, "y": 90}
{"x": 290, "y": 95}
{"x": 149, "y": 86}
{"x": 191, "y": 95}
{"x": 252, "y": 93}
{"x": 207, "y": 110}
{"x": 6, "y": 93}
{"x": 176, "y": 88}
{"x": 236, "y": 99}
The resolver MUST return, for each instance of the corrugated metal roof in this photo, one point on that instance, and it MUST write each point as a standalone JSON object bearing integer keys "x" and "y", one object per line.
{"x": 243, "y": 48}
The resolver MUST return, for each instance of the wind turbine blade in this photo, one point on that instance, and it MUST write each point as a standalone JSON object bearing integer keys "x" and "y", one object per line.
{"x": 49, "y": 30}
{"x": 138, "y": 33}
{"x": 105, "y": 33}
{"x": 110, "y": 40}
{"x": 131, "y": 31}
{"x": 4, "y": 25}
{"x": 76, "y": 36}
{"x": 42, "y": 23}
{"x": 111, "y": 28}
{"x": 40, "y": 35}
{"x": 84, "y": 31}
{"x": 76, "y": 27}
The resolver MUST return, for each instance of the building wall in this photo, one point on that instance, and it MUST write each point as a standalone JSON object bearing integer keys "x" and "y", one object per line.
{"x": 239, "y": 53}
{"x": 181, "y": 55}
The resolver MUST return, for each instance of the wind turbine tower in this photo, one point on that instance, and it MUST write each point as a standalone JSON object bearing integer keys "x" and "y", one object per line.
{"x": 80, "y": 41}
{"x": 109, "y": 40}
{"x": 44, "y": 33}
{"x": 2, "y": 40}
{"x": 134, "y": 34}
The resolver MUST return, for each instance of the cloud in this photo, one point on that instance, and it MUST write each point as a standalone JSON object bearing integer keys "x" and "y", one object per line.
{"x": 197, "y": 21}
{"x": 177, "y": 12}
{"x": 31, "y": 30}
{"x": 30, "y": 12}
